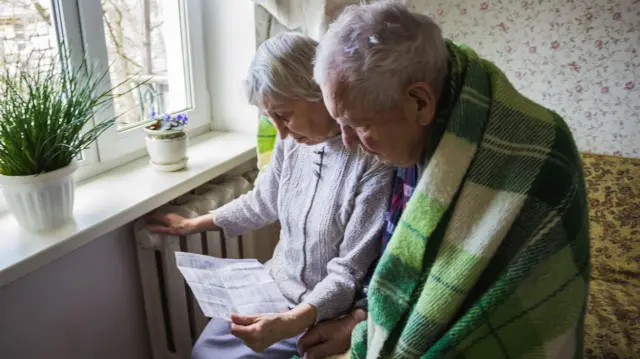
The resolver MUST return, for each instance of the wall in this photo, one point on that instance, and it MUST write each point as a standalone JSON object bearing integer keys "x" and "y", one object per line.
{"x": 87, "y": 304}
{"x": 229, "y": 36}
{"x": 579, "y": 58}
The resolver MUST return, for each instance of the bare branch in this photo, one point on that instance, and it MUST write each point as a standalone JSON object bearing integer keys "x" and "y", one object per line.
{"x": 44, "y": 13}
{"x": 117, "y": 44}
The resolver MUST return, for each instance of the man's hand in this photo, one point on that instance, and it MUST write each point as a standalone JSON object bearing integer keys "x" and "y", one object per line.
{"x": 261, "y": 331}
{"x": 330, "y": 337}
{"x": 176, "y": 225}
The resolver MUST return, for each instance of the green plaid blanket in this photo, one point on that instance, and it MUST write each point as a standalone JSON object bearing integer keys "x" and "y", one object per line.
{"x": 490, "y": 259}
{"x": 266, "y": 141}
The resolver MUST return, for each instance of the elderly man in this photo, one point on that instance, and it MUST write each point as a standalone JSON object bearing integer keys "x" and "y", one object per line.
{"x": 488, "y": 251}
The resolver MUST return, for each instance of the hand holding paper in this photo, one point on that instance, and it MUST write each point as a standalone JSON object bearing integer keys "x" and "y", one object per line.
{"x": 261, "y": 331}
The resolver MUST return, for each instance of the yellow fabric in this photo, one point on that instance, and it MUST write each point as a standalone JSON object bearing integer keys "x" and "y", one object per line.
{"x": 341, "y": 356}
{"x": 612, "y": 324}
{"x": 263, "y": 160}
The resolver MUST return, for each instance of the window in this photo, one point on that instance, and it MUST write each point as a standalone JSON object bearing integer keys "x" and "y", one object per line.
{"x": 137, "y": 35}
{"x": 25, "y": 28}
{"x": 156, "y": 44}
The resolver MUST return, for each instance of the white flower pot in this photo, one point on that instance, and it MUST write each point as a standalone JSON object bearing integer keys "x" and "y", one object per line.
{"x": 41, "y": 202}
{"x": 167, "y": 149}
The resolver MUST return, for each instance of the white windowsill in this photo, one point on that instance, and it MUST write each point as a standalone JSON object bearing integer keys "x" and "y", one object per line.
{"x": 117, "y": 197}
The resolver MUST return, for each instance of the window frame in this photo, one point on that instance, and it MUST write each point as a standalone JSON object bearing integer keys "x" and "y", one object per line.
{"x": 68, "y": 33}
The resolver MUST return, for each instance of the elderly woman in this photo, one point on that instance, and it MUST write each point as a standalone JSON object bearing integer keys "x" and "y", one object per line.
{"x": 488, "y": 251}
{"x": 329, "y": 200}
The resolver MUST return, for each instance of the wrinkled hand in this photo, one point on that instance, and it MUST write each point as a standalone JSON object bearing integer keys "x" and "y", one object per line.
{"x": 261, "y": 331}
{"x": 171, "y": 223}
{"x": 330, "y": 337}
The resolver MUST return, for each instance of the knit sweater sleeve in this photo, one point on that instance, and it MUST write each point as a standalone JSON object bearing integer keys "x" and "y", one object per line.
{"x": 335, "y": 294}
{"x": 257, "y": 208}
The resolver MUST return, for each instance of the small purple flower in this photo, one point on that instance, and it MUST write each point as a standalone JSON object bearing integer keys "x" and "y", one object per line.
{"x": 167, "y": 117}
{"x": 185, "y": 119}
{"x": 153, "y": 115}
{"x": 179, "y": 117}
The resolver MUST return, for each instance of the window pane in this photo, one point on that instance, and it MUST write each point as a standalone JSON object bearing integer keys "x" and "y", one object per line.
{"x": 144, "y": 43}
{"x": 26, "y": 33}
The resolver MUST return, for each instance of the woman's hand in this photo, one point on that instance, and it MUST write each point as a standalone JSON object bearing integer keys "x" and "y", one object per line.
{"x": 330, "y": 337}
{"x": 176, "y": 225}
{"x": 261, "y": 331}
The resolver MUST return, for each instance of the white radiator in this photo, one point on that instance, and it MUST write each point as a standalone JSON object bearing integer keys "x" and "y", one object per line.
{"x": 174, "y": 318}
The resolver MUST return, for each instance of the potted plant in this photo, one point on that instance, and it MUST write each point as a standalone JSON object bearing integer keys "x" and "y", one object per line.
{"x": 167, "y": 142}
{"x": 44, "y": 111}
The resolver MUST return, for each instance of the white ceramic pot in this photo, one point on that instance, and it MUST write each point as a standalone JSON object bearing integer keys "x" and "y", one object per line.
{"x": 167, "y": 149}
{"x": 41, "y": 202}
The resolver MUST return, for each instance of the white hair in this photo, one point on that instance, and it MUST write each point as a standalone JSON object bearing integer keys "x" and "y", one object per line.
{"x": 282, "y": 69}
{"x": 372, "y": 52}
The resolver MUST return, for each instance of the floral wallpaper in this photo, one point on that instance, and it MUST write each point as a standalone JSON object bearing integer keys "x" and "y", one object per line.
{"x": 578, "y": 57}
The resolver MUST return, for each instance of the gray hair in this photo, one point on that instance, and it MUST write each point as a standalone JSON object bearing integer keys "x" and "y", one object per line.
{"x": 371, "y": 53}
{"x": 282, "y": 69}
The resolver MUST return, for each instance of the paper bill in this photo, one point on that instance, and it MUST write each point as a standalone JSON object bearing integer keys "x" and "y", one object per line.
{"x": 224, "y": 286}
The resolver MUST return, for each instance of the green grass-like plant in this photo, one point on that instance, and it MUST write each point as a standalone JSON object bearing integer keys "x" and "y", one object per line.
{"x": 44, "y": 110}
